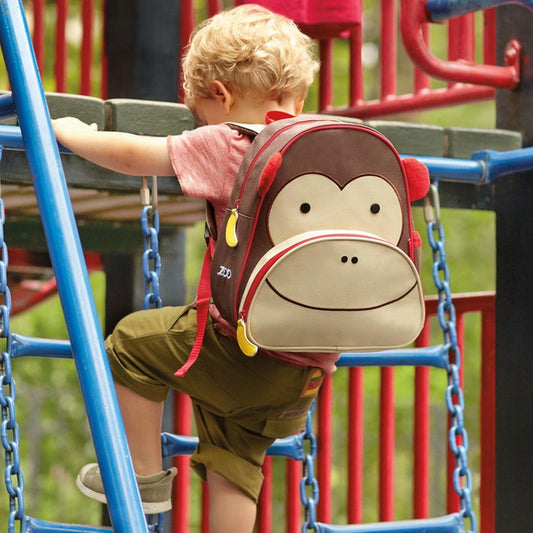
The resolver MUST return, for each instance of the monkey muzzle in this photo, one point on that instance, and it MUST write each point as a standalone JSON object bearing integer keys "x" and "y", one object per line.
{"x": 329, "y": 291}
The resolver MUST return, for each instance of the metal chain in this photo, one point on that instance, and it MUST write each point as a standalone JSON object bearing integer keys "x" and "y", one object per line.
{"x": 309, "y": 493}
{"x": 151, "y": 260}
{"x": 457, "y": 436}
{"x": 9, "y": 431}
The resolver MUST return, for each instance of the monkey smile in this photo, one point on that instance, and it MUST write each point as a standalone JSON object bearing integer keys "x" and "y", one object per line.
{"x": 319, "y": 308}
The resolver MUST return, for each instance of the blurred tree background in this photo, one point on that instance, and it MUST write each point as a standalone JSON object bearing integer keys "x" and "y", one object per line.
{"x": 55, "y": 437}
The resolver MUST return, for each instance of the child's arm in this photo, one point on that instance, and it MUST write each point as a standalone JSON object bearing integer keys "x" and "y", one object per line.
{"x": 136, "y": 155}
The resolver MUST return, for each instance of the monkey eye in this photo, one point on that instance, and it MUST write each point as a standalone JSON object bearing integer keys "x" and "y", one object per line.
{"x": 305, "y": 207}
{"x": 375, "y": 209}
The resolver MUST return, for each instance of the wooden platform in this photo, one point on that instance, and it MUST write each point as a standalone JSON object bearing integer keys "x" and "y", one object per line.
{"x": 107, "y": 205}
{"x": 102, "y": 200}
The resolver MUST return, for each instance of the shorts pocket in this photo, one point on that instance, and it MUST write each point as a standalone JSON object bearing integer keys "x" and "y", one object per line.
{"x": 289, "y": 423}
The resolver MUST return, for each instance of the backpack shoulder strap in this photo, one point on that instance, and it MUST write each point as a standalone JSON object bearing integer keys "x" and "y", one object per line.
{"x": 252, "y": 130}
{"x": 203, "y": 300}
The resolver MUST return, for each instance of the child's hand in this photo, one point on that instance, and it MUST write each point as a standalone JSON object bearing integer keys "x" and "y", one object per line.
{"x": 69, "y": 128}
{"x": 119, "y": 151}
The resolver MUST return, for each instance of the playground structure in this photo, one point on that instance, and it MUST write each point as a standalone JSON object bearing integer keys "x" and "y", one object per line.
{"x": 486, "y": 167}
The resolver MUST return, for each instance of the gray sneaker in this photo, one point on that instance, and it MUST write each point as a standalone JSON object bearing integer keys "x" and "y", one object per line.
{"x": 155, "y": 489}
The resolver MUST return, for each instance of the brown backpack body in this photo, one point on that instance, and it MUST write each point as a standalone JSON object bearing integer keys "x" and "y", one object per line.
{"x": 317, "y": 252}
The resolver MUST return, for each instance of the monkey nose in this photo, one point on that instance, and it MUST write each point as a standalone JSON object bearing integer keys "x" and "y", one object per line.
{"x": 345, "y": 259}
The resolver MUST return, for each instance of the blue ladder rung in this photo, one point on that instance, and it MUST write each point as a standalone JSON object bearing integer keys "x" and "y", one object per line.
{"x": 35, "y": 347}
{"x": 436, "y": 356}
{"x": 11, "y": 137}
{"x": 34, "y": 525}
{"x": 290, "y": 447}
{"x": 7, "y": 106}
{"x": 452, "y": 523}
{"x": 177, "y": 444}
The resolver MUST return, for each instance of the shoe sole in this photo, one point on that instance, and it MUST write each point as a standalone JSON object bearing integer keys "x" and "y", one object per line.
{"x": 148, "y": 507}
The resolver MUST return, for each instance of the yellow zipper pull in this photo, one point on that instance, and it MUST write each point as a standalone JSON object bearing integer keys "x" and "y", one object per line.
{"x": 231, "y": 228}
{"x": 249, "y": 349}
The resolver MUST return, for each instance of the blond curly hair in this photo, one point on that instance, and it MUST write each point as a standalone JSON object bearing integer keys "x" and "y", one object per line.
{"x": 252, "y": 51}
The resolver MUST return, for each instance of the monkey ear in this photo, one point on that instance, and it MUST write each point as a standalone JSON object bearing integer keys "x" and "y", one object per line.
{"x": 417, "y": 178}
{"x": 269, "y": 173}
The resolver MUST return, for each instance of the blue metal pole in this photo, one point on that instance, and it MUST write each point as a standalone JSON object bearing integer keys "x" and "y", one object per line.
{"x": 72, "y": 278}
{"x": 500, "y": 164}
{"x": 23, "y": 346}
{"x": 452, "y": 523}
{"x": 449, "y": 169}
{"x": 440, "y": 10}
{"x": 434, "y": 356}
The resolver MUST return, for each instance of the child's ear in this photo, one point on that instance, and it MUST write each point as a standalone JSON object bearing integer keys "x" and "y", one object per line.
{"x": 222, "y": 93}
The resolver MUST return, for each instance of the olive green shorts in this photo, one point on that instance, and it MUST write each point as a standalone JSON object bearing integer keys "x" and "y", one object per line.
{"x": 241, "y": 404}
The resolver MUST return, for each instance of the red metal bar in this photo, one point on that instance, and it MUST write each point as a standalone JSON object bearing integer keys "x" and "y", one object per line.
{"x": 421, "y": 79}
{"x": 325, "y": 75}
{"x": 488, "y": 419}
{"x": 103, "y": 73}
{"x": 413, "y": 15}
{"x": 324, "y": 449}
{"x": 355, "y": 445}
{"x": 356, "y": 66}
{"x": 86, "y": 46}
{"x": 38, "y": 32}
{"x": 182, "y": 426}
{"x": 421, "y": 433}
{"x": 387, "y": 428}
{"x": 293, "y": 505}
{"x": 60, "y": 60}
{"x": 412, "y": 102}
{"x": 489, "y": 36}
{"x": 205, "y": 508}
{"x": 461, "y": 38}
{"x": 213, "y": 7}
{"x": 264, "y": 510}
{"x": 388, "y": 49}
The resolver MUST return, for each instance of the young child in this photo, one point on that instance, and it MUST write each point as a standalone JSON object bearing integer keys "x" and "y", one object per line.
{"x": 240, "y": 64}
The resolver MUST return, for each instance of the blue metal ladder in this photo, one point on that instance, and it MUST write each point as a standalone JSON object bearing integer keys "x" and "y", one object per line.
{"x": 28, "y": 103}
{"x": 35, "y": 135}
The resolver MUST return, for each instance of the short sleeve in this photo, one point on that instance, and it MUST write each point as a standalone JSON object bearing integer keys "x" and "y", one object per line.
{"x": 206, "y": 161}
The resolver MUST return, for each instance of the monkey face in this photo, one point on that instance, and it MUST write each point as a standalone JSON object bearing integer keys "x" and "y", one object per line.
{"x": 313, "y": 201}
{"x": 337, "y": 264}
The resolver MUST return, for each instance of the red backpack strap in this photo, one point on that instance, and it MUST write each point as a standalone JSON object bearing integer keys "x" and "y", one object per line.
{"x": 203, "y": 300}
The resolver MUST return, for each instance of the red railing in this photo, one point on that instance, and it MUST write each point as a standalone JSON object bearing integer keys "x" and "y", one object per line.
{"x": 328, "y": 455}
{"x": 68, "y": 33}
{"x": 462, "y": 49}
{"x": 465, "y": 43}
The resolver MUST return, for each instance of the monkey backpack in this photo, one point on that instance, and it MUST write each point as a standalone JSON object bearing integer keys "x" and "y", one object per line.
{"x": 317, "y": 252}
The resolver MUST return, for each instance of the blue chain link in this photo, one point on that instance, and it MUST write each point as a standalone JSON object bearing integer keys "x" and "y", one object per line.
{"x": 309, "y": 493}
{"x": 151, "y": 264}
{"x": 151, "y": 260}
{"x": 457, "y": 436}
{"x": 9, "y": 430}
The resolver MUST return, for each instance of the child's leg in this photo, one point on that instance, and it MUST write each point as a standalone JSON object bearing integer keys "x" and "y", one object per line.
{"x": 230, "y": 510}
{"x": 142, "y": 421}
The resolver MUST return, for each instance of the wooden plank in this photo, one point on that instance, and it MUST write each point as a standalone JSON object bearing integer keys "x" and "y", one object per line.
{"x": 462, "y": 142}
{"x": 146, "y": 117}
{"x": 412, "y": 139}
